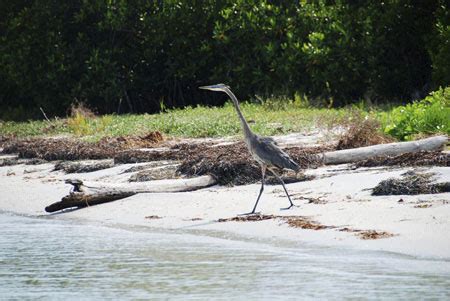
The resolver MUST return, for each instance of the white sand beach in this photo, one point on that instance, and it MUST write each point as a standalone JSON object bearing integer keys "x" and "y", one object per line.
{"x": 338, "y": 197}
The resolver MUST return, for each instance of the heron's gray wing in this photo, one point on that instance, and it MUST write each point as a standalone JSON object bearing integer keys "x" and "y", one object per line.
{"x": 268, "y": 140}
{"x": 271, "y": 154}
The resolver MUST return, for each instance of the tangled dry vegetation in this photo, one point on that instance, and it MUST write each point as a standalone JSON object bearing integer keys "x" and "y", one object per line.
{"x": 411, "y": 183}
{"x": 359, "y": 131}
{"x": 52, "y": 149}
{"x": 423, "y": 158}
{"x": 230, "y": 164}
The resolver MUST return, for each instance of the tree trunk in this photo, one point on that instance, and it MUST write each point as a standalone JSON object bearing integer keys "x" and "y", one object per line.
{"x": 92, "y": 193}
{"x": 389, "y": 149}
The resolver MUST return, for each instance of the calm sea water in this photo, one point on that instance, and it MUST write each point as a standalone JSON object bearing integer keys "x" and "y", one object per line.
{"x": 44, "y": 258}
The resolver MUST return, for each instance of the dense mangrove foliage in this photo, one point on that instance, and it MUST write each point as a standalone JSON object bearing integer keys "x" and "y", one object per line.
{"x": 120, "y": 56}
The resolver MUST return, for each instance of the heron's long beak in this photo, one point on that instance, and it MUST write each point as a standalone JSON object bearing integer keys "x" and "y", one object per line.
{"x": 218, "y": 87}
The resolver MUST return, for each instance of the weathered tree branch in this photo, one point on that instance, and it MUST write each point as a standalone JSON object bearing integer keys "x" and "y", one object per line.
{"x": 87, "y": 193}
{"x": 389, "y": 149}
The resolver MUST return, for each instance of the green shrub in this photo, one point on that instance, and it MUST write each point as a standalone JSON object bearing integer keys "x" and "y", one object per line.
{"x": 132, "y": 56}
{"x": 428, "y": 116}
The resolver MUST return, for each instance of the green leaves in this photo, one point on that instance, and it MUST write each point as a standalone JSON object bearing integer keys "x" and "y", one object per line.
{"x": 129, "y": 56}
{"x": 428, "y": 116}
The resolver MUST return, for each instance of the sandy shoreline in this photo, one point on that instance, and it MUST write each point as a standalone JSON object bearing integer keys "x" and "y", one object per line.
{"x": 420, "y": 224}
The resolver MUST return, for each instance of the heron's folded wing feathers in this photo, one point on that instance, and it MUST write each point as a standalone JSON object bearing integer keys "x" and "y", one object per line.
{"x": 271, "y": 154}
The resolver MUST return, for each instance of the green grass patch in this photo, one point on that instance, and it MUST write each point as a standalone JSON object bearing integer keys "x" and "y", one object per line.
{"x": 272, "y": 116}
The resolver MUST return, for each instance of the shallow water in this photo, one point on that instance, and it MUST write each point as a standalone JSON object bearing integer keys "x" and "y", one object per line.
{"x": 44, "y": 258}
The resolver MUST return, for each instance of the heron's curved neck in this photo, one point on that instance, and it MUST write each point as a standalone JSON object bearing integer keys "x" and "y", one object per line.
{"x": 247, "y": 131}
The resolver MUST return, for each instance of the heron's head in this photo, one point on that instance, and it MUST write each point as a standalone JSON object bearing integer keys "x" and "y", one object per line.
{"x": 217, "y": 88}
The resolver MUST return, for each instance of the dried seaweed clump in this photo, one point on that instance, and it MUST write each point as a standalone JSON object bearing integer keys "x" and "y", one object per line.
{"x": 5, "y": 139}
{"x": 230, "y": 164}
{"x": 304, "y": 223}
{"x": 128, "y": 142}
{"x": 70, "y": 149}
{"x": 362, "y": 132}
{"x": 423, "y": 158}
{"x": 248, "y": 218}
{"x": 308, "y": 157}
{"x": 411, "y": 183}
{"x": 233, "y": 165}
{"x": 176, "y": 152}
{"x": 373, "y": 234}
{"x": 58, "y": 149}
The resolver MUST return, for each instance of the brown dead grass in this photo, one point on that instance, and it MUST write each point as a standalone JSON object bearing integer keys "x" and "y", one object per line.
{"x": 361, "y": 131}
{"x": 80, "y": 109}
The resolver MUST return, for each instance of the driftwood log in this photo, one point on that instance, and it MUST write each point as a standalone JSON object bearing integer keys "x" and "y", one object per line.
{"x": 389, "y": 149}
{"x": 87, "y": 193}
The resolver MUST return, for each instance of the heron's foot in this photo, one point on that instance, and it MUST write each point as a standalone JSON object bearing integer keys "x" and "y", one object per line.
{"x": 249, "y": 213}
{"x": 287, "y": 208}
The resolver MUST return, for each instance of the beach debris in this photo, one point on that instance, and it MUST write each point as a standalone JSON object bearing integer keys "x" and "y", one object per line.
{"x": 292, "y": 220}
{"x": 423, "y": 206}
{"x": 411, "y": 183}
{"x": 367, "y": 234}
{"x": 232, "y": 164}
{"x": 52, "y": 149}
{"x": 58, "y": 149}
{"x": 311, "y": 200}
{"x": 83, "y": 166}
{"x": 390, "y": 149}
{"x": 423, "y": 158}
{"x": 362, "y": 132}
{"x": 153, "y": 217}
{"x": 248, "y": 218}
{"x": 176, "y": 152}
{"x": 149, "y": 165}
{"x": 9, "y": 161}
{"x": 373, "y": 234}
{"x": 127, "y": 142}
{"x": 304, "y": 223}
{"x": 88, "y": 193}
{"x": 155, "y": 173}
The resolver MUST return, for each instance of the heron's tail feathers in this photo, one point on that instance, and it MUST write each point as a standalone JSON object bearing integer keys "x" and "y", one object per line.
{"x": 291, "y": 164}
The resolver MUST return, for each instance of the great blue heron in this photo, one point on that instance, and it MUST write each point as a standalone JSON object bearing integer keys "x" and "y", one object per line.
{"x": 263, "y": 149}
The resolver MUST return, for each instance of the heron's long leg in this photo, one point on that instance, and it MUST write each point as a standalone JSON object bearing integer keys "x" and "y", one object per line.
{"x": 285, "y": 190}
{"x": 263, "y": 173}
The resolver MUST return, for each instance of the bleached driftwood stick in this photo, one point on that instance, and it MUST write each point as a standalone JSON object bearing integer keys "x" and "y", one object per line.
{"x": 92, "y": 193}
{"x": 389, "y": 149}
